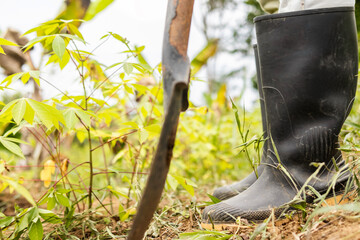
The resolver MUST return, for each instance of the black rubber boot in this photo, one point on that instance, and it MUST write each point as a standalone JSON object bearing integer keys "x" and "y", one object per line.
{"x": 309, "y": 67}
{"x": 234, "y": 189}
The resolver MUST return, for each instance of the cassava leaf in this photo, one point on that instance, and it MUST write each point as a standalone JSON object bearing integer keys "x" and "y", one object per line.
{"x": 36, "y": 231}
{"x": 12, "y": 147}
{"x": 58, "y": 45}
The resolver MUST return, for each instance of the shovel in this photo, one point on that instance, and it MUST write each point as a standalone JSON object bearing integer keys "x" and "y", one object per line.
{"x": 176, "y": 75}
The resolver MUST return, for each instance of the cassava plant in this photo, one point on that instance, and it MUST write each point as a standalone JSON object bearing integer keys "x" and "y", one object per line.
{"x": 116, "y": 118}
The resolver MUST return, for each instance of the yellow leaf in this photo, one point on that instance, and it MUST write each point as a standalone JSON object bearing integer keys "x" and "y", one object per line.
{"x": 64, "y": 166}
{"x": 50, "y": 166}
{"x": 2, "y": 165}
{"x": 202, "y": 110}
{"x": 221, "y": 95}
{"x": 45, "y": 174}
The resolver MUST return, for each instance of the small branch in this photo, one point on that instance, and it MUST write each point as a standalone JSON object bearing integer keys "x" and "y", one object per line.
{"x": 110, "y": 214}
{"x": 40, "y": 141}
{"x": 107, "y": 176}
{"x": 112, "y": 139}
{"x": 61, "y": 92}
{"x": 61, "y": 179}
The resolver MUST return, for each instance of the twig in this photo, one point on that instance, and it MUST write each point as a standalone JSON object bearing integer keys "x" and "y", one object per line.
{"x": 112, "y": 139}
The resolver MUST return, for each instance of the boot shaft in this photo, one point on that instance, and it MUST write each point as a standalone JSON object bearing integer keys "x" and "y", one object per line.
{"x": 308, "y": 67}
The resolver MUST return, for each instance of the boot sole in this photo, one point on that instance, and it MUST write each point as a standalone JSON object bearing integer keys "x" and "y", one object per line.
{"x": 339, "y": 199}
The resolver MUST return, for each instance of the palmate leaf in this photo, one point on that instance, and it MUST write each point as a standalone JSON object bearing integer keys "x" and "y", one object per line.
{"x": 27, "y": 109}
{"x": 11, "y": 78}
{"x": 72, "y": 115}
{"x": 9, "y": 144}
{"x": 24, "y": 76}
{"x": 47, "y": 114}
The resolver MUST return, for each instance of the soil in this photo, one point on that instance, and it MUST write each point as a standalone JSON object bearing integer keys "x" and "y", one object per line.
{"x": 186, "y": 218}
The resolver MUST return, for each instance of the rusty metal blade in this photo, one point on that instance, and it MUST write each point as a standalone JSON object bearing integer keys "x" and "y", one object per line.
{"x": 176, "y": 73}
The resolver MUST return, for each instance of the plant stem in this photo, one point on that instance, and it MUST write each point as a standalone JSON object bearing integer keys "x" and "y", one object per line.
{"x": 91, "y": 167}
{"x": 134, "y": 173}
{"x": 107, "y": 176}
{"x": 88, "y": 129}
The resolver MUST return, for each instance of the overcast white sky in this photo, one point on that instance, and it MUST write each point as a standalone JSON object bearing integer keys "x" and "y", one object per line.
{"x": 140, "y": 21}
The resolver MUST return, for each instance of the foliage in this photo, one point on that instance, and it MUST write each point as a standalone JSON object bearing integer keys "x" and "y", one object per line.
{"x": 116, "y": 121}
{"x": 98, "y": 145}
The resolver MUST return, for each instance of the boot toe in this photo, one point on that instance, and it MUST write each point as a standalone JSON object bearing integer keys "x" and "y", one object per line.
{"x": 225, "y": 192}
{"x": 220, "y": 212}
{"x": 223, "y": 212}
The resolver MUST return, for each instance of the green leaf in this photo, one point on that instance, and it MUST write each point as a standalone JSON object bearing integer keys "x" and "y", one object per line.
{"x": 73, "y": 37}
{"x": 36, "y": 76}
{"x": 2, "y": 167}
{"x": 74, "y": 30}
{"x": 13, "y": 77}
{"x": 154, "y": 128}
{"x": 29, "y": 114}
{"x": 260, "y": 229}
{"x": 96, "y": 7}
{"x": 63, "y": 200}
{"x": 51, "y": 202}
{"x": 24, "y": 223}
{"x": 128, "y": 89}
{"x": 7, "y": 42}
{"x": 58, "y": 45}
{"x": 204, "y": 235}
{"x": 143, "y": 135}
{"x": 49, "y": 216}
{"x": 8, "y": 107}
{"x": 31, "y": 43}
{"x": 65, "y": 60}
{"x": 33, "y": 214}
{"x": 18, "y": 110}
{"x": 4, "y": 222}
{"x": 204, "y": 55}
{"x": 186, "y": 184}
{"x": 214, "y": 199}
{"x": 36, "y": 231}
{"x": 70, "y": 118}
{"x": 19, "y": 188}
{"x": 25, "y": 78}
{"x": 128, "y": 68}
{"x": 12, "y": 147}
{"x": 172, "y": 183}
{"x": 47, "y": 114}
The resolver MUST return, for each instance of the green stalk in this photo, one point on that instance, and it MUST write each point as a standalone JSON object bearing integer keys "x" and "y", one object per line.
{"x": 89, "y": 137}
